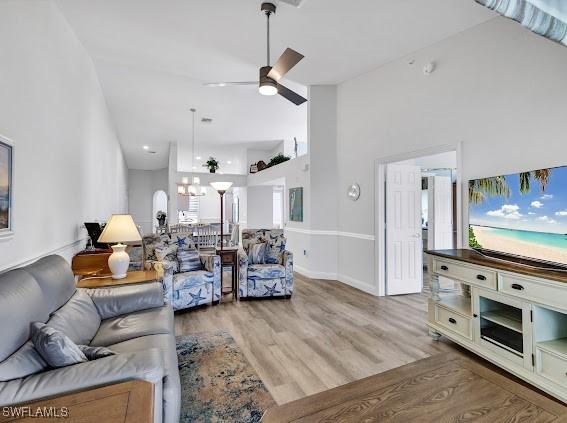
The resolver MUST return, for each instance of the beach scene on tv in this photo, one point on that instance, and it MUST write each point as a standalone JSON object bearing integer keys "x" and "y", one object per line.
{"x": 523, "y": 214}
{"x": 4, "y": 188}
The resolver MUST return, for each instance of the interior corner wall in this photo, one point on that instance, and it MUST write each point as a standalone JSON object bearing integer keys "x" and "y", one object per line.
{"x": 322, "y": 255}
{"x": 68, "y": 164}
{"x": 497, "y": 88}
{"x": 142, "y": 184}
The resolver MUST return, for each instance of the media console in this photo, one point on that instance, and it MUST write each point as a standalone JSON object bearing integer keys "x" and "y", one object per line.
{"x": 512, "y": 314}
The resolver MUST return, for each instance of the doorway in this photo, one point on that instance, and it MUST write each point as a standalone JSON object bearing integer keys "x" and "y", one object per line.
{"x": 417, "y": 208}
{"x": 159, "y": 204}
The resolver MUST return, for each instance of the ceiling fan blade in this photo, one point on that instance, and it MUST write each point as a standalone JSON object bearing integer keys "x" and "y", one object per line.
{"x": 287, "y": 60}
{"x": 290, "y": 95}
{"x": 229, "y": 84}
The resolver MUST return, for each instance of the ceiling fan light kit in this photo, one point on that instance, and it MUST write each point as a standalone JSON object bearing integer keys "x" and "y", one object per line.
{"x": 269, "y": 78}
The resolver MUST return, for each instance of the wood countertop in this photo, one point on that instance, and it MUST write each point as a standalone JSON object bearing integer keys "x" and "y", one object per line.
{"x": 501, "y": 262}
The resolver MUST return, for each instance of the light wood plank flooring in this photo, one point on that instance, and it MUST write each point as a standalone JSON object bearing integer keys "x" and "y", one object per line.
{"x": 327, "y": 335}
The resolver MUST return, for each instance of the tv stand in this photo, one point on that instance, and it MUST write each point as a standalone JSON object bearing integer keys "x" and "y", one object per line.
{"x": 513, "y": 314}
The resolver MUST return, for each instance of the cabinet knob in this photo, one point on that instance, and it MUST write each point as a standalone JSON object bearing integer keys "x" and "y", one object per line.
{"x": 517, "y": 287}
{"x": 444, "y": 267}
{"x": 481, "y": 277}
{"x": 453, "y": 321}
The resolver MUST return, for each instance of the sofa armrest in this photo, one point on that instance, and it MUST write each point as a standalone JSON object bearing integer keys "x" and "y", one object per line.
{"x": 288, "y": 263}
{"x": 212, "y": 263}
{"x": 165, "y": 271}
{"x": 116, "y": 301}
{"x": 142, "y": 365}
{"x": 243, "y": 272}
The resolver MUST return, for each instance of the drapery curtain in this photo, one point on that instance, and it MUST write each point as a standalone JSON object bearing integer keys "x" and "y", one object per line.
{"x": 544, "y": 17}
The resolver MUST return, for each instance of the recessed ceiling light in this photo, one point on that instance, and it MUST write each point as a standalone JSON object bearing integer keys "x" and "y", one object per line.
{"x": 194, "y": 167}
{"x": 145, "y": 147}
{"x": 228, "y": 162}
{"x": 198, "y": 157}
{"x": 221, "y": 173}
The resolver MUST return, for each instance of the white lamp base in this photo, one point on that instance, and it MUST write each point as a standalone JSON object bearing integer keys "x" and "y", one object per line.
{"x": 119, "y": 261}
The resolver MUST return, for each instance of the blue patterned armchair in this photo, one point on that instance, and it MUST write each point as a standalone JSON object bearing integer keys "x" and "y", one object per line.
{"x": 273, "y": 277}
{"x": 182, "y": 289}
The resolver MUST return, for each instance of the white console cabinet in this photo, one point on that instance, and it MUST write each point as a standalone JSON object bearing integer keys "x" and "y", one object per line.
{"x": 511, "y": 314}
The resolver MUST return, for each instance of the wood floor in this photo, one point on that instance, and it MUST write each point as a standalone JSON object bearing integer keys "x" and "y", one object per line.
{"x": 443, "y": 388}
{"x": 326, "y": 335}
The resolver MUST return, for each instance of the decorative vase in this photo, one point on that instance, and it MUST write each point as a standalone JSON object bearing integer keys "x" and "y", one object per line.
{"x": 161, "y": 222}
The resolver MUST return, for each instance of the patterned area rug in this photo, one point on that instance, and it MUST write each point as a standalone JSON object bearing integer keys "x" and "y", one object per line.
{"x": 217, "y": 382}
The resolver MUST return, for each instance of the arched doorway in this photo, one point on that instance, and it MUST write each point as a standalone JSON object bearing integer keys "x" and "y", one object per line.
{"x": 159, "y": 203}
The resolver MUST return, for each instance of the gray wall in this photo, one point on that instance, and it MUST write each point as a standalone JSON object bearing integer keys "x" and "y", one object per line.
{"x": 142, "y": 184}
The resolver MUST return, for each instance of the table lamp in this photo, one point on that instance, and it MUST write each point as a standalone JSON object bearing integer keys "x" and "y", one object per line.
{"x": 221, "y": 188}
{"x": 120, "y": 228}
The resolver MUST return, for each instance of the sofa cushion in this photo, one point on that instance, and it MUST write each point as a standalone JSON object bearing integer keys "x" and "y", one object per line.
{"x": 21, "y": 303}
{"x": 171, "y": 383}
{"x": 24, "y": 362}
{"x": 78, "y": 319}
{"x": 56, "y": 279}
{"x": 188, "y": 260}
{"x": 150, "y": 243}
{"x": 266, "y": 271}
{"x": 122, "y": 328}
{"x": 55, "y": 347}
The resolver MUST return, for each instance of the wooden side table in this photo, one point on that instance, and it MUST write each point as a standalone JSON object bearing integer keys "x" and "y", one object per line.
{"x": 229, "y": 258}
{"x": 139, "y": 276}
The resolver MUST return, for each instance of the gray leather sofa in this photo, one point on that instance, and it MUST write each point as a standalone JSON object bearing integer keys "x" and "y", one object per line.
{"x": 131, "y": 320}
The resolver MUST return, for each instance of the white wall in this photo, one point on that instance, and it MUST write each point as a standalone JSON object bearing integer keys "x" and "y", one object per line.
{"x": 498, "y": 88}
{"x": 142, "y": 184}
{"x": 69, "y": 166}
{"x": 260, "y": 207}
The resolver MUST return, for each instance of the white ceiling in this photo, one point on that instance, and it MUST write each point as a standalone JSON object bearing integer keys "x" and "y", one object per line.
{"x": 153, "y": 56}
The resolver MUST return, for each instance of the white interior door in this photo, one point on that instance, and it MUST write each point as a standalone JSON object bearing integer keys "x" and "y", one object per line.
{"x": 440, "y": 213}
{"x": 404, "y": 272}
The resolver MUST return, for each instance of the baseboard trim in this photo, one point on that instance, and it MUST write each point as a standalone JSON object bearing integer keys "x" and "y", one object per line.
{"x": 347, "y": 280}
{"x": 73, "y": 247}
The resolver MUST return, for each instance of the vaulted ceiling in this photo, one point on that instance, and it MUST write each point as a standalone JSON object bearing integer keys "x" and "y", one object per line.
{"x": 153, "y": 56}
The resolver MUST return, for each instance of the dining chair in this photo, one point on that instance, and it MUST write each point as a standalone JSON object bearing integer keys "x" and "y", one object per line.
{"x": 207, "y": 237}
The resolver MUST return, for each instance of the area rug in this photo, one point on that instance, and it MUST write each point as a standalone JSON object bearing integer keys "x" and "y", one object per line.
{"x": 217, "y": 382}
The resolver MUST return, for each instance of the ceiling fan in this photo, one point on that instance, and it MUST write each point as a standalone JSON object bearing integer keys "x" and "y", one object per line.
{"x": 270, "y": 76}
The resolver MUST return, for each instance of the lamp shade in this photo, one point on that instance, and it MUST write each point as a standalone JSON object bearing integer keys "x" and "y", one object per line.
{"x": 120, "y": 228}
{"x": 221, "y": 186}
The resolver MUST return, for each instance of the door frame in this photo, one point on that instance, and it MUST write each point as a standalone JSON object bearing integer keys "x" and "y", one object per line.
{"x": 380, "y": 204}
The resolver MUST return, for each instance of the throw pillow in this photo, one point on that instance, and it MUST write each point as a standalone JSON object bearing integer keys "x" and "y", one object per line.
{"x": 188, "y": 260}
{"x": 257, "y": 253}
{"x": 183, "y": 242}
{"x": 55, "y": 347}
{"x": 166, "y": 252}
{"x": 275, "y": 249}
{"x": 93, "y": 353}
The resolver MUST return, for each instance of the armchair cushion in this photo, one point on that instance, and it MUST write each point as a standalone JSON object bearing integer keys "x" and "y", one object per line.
{"x": 115, "y": 301}
{"x": 145, "y": 365}
{"x": 266, "y": 271}
{"x": 146, "y": 322}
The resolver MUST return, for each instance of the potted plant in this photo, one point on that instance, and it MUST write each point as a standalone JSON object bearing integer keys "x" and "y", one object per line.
{"x": 277, "y": 159}
{"x": 161, "y": 216}
{"x": 212, "y": 164}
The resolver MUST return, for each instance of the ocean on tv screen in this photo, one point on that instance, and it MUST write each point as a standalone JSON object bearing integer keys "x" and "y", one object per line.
{"x": 523, "y": 214}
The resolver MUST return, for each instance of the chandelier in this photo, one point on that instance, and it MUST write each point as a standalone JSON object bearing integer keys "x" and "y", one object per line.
{"x": 194, "y": 189}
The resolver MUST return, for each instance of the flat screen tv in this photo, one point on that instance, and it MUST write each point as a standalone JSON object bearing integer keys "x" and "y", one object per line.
{"x": 521, "y": 215}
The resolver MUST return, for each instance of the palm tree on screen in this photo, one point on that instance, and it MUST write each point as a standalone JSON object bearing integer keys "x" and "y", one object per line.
{"x": 480, "y": 189}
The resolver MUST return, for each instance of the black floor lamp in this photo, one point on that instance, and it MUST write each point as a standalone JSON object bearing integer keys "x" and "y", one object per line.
{"x": 221, "y": 188}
